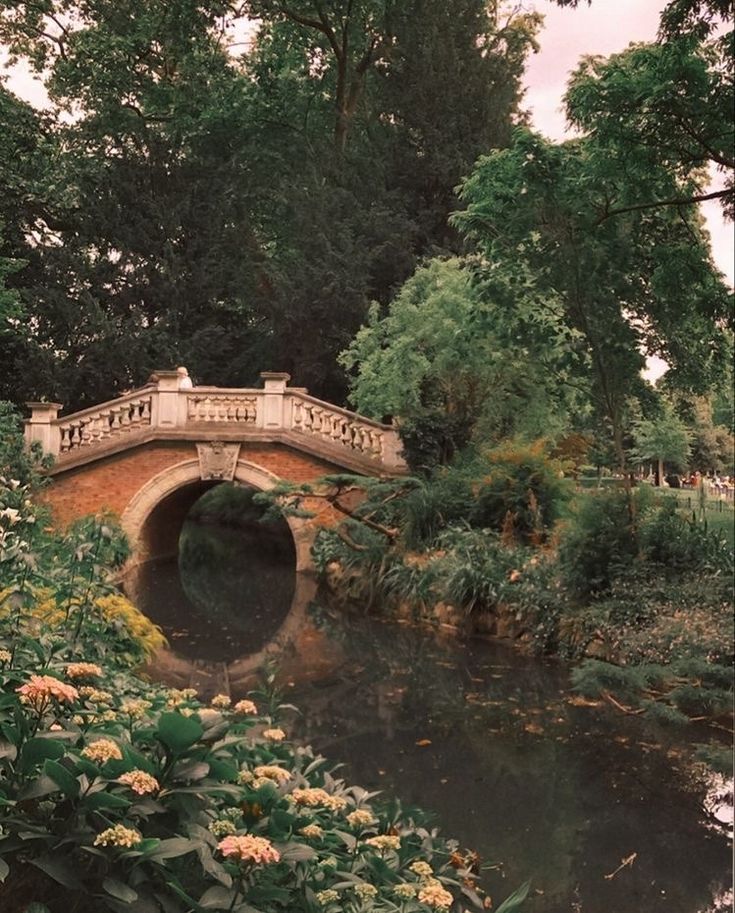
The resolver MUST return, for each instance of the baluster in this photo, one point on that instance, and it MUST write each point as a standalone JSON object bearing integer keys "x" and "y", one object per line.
{"x": 95, "y": 427}
{"x": 76, "y": 437}
{"x": 65, "y": 443}
{"x": 377, "y": 437}
{"x": 336, "y": 429}
{"x": 84, "y": 432}
{"x": 145, "y": 412}
{"x": 104, "y": 425}
{"x": 298, "y": 415}
{"x": 125, "y": 417}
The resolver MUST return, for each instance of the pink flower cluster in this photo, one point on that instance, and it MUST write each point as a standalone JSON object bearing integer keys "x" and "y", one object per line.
{"x": 42, "y": 688}
{"x": 257, "y": 850}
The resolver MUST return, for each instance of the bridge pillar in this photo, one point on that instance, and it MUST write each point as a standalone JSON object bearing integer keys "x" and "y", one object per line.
{"x": 274, "y": 384}
{"x": 42, "y": 428}
{"x": 165, "y": 406}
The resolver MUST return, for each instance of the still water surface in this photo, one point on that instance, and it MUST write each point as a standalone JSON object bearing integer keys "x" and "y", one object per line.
{"x": 492, "y": 742}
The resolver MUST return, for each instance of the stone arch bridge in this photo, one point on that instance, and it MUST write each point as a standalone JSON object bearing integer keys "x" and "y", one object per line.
{"x": 150, "y": 454}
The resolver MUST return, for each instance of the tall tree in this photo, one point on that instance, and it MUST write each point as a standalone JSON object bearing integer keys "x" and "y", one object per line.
{"x": 642, "y": 283}
{"x": 239, "y": 212}
{"x": 668, "y": 103}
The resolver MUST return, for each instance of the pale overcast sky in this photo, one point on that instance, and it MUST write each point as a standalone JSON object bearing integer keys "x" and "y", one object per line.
{"x": 602, "y": 28}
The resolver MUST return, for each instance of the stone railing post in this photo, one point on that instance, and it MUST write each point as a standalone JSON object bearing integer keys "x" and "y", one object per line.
{"x": 165, "y": 405}
{"x": 42, "y": 427}
{"x": 274, "y": 384}
{"x": 393, "y": 450}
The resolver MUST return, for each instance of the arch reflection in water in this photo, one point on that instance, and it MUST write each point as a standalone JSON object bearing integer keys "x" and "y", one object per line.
{"x": 230, "y": 588}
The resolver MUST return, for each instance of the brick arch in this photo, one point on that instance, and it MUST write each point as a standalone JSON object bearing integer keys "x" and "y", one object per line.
{"x": 186, "y": 474}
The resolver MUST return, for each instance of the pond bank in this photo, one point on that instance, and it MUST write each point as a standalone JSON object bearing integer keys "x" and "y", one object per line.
{"x": 509, "y": 759}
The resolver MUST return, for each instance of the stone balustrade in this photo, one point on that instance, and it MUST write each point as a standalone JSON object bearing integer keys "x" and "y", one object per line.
{"x": 164, "y": 410}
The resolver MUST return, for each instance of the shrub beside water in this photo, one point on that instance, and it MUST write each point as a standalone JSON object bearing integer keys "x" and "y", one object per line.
{"x": 118, "y": 794}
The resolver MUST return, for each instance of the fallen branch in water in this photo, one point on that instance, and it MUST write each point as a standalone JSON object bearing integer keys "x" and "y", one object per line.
{"x": 629, "y": 860}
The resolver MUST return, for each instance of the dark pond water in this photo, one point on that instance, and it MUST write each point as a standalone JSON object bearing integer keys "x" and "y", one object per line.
{"x": 493, "y": 743}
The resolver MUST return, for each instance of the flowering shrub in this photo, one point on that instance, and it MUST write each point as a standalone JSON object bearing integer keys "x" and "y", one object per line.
{"x": 118, "y": 794}
{"x": 200, "y": 806}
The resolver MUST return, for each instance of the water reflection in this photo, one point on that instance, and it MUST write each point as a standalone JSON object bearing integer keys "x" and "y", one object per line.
{"x": 493, "y": 742}
{"x": 231, "y": 586}
{"x": 517, "y": 769}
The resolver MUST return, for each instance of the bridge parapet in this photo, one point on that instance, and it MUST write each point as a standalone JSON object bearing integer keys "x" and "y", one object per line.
{"x": 166, "y": 410}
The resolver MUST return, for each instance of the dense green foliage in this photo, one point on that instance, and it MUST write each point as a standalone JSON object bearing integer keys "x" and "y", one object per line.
{"x": 650, "y": 602}
{"x": 119, "y": 794}
{"x": 229, "y": 195}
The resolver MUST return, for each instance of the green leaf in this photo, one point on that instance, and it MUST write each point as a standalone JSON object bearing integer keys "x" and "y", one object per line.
{"x": 37, "y": 750}
{"x": 119, "y": 890}
{"x": 190, "y": 770}
{"x": 515, "y": 900}
{"x": 66, "y": 782}
{"x": 41, "y": 786}
{"x": 216, "y": 898}
{"x": 178, "y": 732}
{"x": 105, "y": 800}
{"x": 59, "y": 870}
{"x": 221, "y": 770}
{"x": 174, "y": 847}
{"x": 8, "y": 750}
{"x": 296, "y": 852}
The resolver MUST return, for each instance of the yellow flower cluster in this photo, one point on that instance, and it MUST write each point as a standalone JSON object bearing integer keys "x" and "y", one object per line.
{"x": 83, "y": 670}
{"x": 119, "y": 835}
{"x": 178, "y": 696}
{"x": 326, "y": 897}
{"x": 102, "y": 750}
{"x": 220, "y": 701}
{"x": 312, "y": 832}
{"x": 95, "y": 695}
{"x": 271, "y": 772}
{"x": 314, "y": 797}
{"x": 384, "y": 842}
{"x": 140, "y": 782}
{"x": 5, "y": 656}
{"x": 135, "y": 708}
{"x": 222, "y": 828}
{"x": 275, "y": 735}
{"x": 245, "y": 707}
{"x": 361, "y": 817}
{"x": 421, "y": 868}
{"x": 147, "y": 635}
{"x": 436, "y": 896}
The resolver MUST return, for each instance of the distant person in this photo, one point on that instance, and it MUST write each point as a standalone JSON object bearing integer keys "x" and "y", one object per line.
{"x": 185, "y": 382}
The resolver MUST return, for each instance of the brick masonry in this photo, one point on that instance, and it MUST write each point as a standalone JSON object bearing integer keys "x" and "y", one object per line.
{"x": 111, "y": 483}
